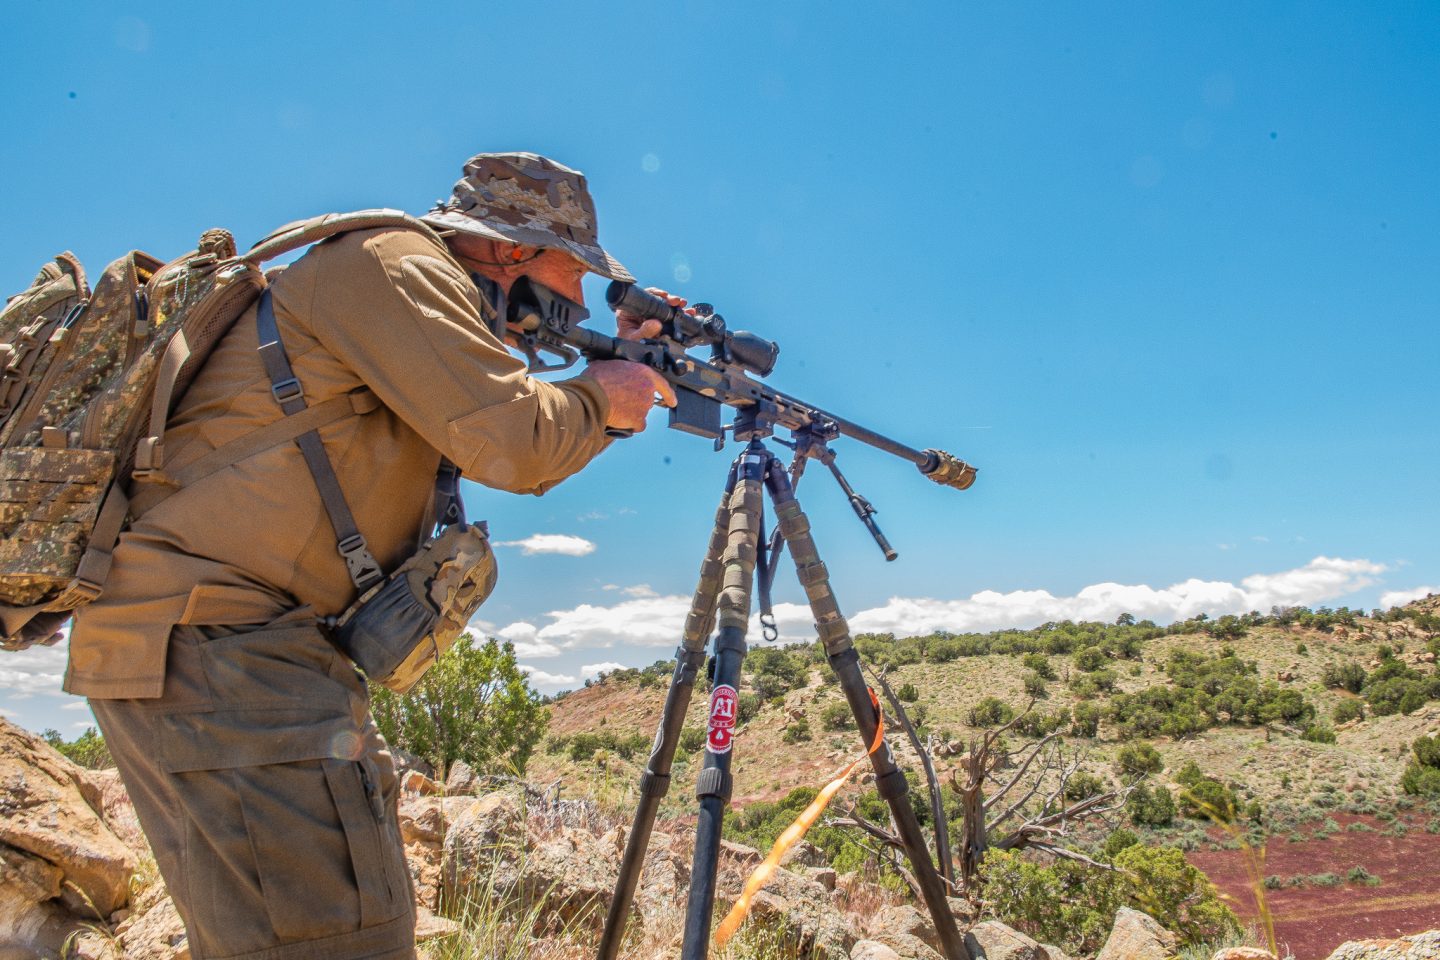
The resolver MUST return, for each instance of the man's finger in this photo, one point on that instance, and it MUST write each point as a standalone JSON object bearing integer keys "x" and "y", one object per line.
{"x": 662, "y": 387}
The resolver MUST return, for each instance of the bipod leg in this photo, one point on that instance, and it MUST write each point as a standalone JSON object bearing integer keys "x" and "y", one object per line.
{"x": 713, "y": 786}
{"x": 835, "y": 634}
{"x": 655, "y": 781}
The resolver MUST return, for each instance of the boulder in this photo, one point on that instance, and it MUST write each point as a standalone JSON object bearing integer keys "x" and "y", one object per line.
{"x": 485, "y": 834}
{"x": 45, "y": 815}
{"x": 1243, "y": 953}
{"x": 155, "y": 934}
{"x": 873, "y": 950}
{"x": 413, "y": 781}
{"x": 902, "y": 919}
{"x": 804, "y": 854}
{"x": 1136, "y": 936}
{"x": 461, "y": 780}
{"x": 825, "y": 876}
{"x": 803, "y": 910}
{"x": 1420, "y": 946}
{"x": 746, "y": 856}
{"x": 993, "y": 940}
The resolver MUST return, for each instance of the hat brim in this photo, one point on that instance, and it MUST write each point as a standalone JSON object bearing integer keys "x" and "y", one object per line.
{"x": 593, "y": 257}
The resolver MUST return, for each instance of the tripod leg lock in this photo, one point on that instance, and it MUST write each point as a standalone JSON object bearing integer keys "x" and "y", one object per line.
{"x": 654, "y": 784}
{"x": 714, "y": 782}
{"x": 892, "y": 786}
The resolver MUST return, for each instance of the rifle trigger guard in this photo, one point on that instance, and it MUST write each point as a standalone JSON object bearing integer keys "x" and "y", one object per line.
{"x": 768, "y": 628}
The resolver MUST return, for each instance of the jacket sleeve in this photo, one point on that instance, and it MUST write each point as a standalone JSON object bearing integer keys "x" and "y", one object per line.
{"x": 396, "y": 308}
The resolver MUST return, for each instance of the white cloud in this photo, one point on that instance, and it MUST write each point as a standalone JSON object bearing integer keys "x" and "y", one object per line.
{"x": 522, "y": 634}
{"x": 595, "y": 669}
{"x": 552, "y": 680}
{"x": 561, "y": 543}
{"x": 643, "y": 621}
{"x": 77, "y": 704}
{"x": 32, "y": 671}
{"x": 640, "y": 590}
{"x": 1398, "y": 598}
{"x": 656, "y": 621}
{"x": 1323, "y": 578}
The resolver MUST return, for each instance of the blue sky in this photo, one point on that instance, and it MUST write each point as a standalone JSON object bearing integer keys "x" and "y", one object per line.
{"x": 1168, "y": 275}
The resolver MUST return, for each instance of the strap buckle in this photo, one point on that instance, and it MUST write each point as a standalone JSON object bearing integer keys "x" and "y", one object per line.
{"x": 362, "y": 566}
{"x": 286, "y": 390}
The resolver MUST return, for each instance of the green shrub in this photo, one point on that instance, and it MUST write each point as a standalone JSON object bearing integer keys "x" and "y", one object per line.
{"x": 796, "y": 731}
{"x": 837, "y": 716}
{"x": 1343, "y": 676}
{"x": 990, "y": 712}
{"x": 1083, "y": 785}
{"x": 1085, "y": 719}
{"x": 1091, "y": 658}
{"x": 1034, "y": 685}
{"x": 1320, "y": 732}
{"x": 1422, "y": 775}
{"x": 87, "y": 750}
{"x": 908, "y": 693}
{"x": 1150, "y": 806}
{"x": 1118, "y": 840}
{"x": 1137, "y": 760}
{"x": 1039, "y": 663}
{"x": 1347, "y": 710}
{"x": 1074, "y": 906}
{"x": 1362, "y": 876}
{"x": 692, "y": 739}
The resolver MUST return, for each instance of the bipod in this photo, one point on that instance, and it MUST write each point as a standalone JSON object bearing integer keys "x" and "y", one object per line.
{"x": 722, "y": 598}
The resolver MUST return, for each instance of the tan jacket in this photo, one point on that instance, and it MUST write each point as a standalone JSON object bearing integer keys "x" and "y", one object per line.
{"x": 390, "y": 310}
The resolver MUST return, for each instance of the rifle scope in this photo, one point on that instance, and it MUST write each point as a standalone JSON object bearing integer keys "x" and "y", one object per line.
{"x": 749, "y": 350}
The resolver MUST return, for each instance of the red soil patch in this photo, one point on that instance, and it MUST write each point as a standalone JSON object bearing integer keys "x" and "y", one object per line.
{"x": 1313, "y": 920}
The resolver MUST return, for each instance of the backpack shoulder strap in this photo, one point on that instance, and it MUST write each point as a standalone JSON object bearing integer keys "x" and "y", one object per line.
{"x": 301, "y": 233}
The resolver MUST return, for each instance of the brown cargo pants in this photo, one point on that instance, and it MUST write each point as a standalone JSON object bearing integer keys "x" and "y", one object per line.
{"x": 268, "y": 797}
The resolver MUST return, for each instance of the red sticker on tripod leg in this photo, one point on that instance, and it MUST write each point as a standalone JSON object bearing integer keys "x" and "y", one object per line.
{"x": 723, "y": 704}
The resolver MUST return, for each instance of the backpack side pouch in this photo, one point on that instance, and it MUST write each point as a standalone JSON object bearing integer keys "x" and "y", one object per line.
{"x": 397, "y": 629}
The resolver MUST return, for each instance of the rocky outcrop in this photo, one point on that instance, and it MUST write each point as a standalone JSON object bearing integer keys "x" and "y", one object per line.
{"x": 1243, "y": 953}
{"x": 60, "y": 865}
{"x": 803, "y": 910}
{"x": 993, "y": 940}
{"x": 1420, "y": 946}
{"x": 1136, "y": 936}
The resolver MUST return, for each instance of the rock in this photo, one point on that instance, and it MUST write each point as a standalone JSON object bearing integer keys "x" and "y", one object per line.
{"x": 803, "y": 910}
{"x": 461, "y": 780}
{"x": 964, "y": 912}
{"x": 490, "y": 847}
{"x": 908, "y": 947}
{"x": 1419, "y": 946}
{"x": 1136, "y": 936}
{"x": 825, "y": 876}
{"x": 748, "y": 856}
{"x": 44, "y": 813}
{"x": 422, "y": 819}
{"x": 872, "y": 950}
{"x": 903, "y": 919}
{"x": 430, "y": 927}
{"x": 1243, "y": 953}
{"x": 416, "y": 782}
{"x": 405, "y": 761}
{"x": 993, "y": 940}
{"x": 157, "y": 934}
{"x": 804, "y": 854}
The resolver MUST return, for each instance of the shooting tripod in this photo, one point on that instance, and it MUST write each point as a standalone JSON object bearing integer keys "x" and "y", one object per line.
{"x": 727, "y": 577}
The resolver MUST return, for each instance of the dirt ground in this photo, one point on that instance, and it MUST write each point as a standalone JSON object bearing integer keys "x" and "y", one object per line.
{"x": 1312, "y": 919}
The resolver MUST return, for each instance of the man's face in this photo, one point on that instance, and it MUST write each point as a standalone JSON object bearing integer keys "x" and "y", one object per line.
{"x": 507, "y": 262}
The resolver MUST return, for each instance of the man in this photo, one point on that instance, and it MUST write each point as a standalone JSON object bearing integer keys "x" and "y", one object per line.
{"x": 244, "y": 738}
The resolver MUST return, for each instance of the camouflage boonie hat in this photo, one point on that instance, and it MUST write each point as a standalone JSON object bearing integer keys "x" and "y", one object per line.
{"x": 530, "y": 199}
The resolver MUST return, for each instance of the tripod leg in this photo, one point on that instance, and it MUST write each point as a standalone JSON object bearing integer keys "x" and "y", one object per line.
{"x": 835, "y": 634}
{"x": 713, "y": 786}
{"x": 655, "y": 781}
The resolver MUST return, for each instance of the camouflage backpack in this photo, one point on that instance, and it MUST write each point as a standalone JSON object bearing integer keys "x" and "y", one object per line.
{"x": 87, "y": 379}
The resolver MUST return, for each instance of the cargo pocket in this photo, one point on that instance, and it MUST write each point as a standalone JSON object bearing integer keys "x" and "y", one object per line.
{"x": 287, "y": 837}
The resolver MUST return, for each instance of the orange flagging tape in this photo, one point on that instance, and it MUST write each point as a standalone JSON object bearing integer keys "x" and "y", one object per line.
{"x": 793, "y": 833}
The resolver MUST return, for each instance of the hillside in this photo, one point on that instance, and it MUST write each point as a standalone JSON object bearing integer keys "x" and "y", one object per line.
{"x": 1253, "y": 702}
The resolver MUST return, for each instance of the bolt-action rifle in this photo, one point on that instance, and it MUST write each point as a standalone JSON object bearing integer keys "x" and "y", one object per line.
{"x": 539, "y": 320}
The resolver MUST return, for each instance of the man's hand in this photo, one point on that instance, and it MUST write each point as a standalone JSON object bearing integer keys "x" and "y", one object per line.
{"x": 631, "y": 327}
{"x": 631, "y": 388}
